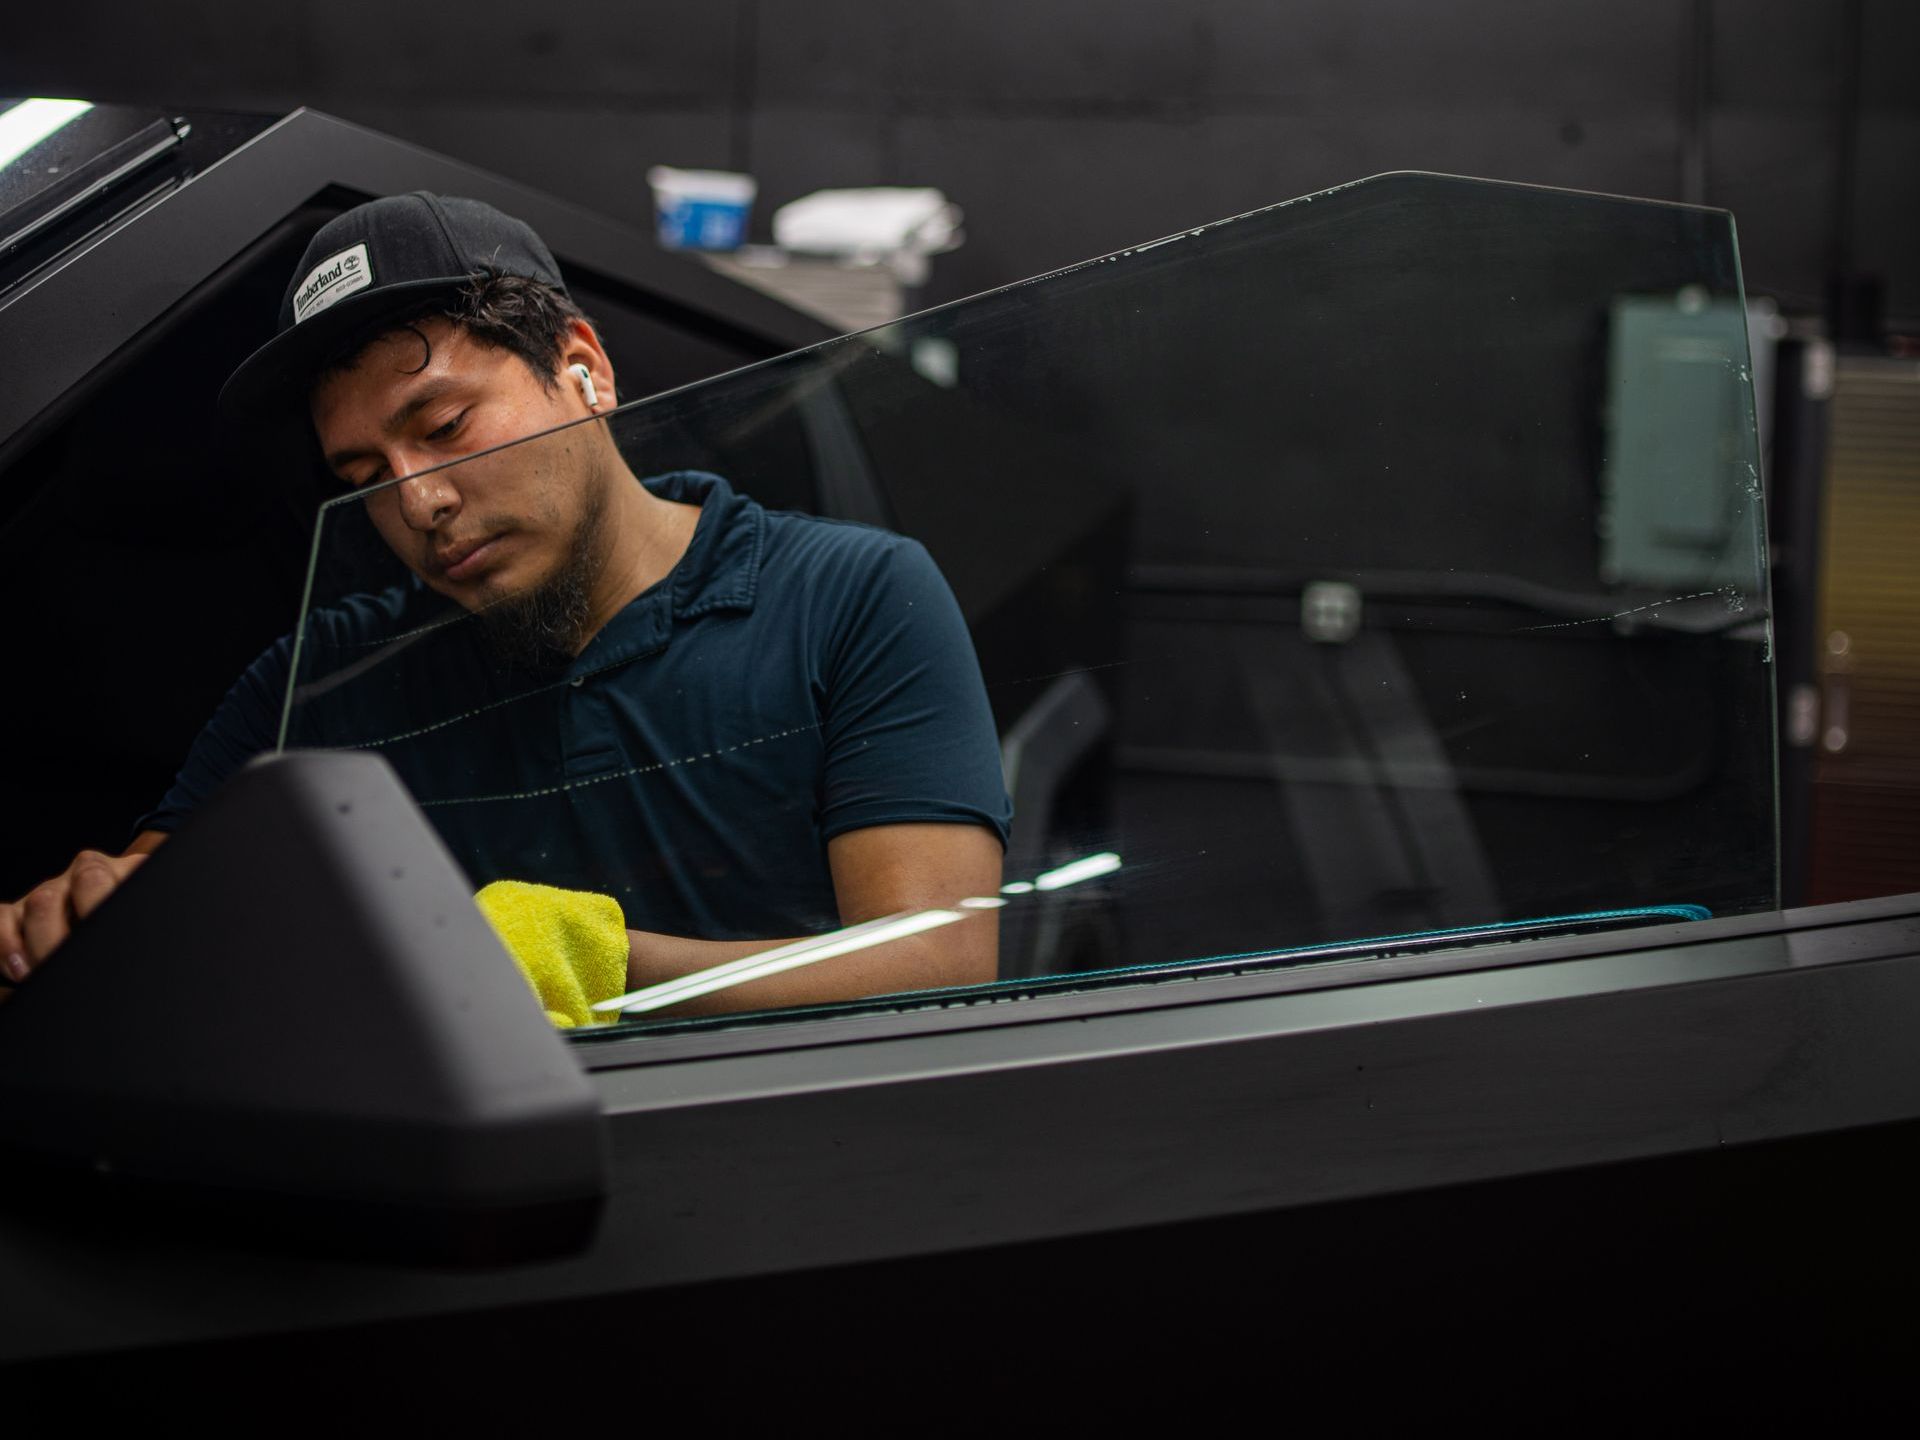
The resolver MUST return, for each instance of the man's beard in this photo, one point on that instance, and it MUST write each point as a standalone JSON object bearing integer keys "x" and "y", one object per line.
{"x": 547, "y": 624}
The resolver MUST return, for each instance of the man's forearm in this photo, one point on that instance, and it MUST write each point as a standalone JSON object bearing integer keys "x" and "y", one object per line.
{"x": 879, "y": 871}
{"x": 961, "y": 954}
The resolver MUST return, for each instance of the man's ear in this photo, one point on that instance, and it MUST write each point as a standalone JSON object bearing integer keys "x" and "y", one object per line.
{"x": 581, "y": 346}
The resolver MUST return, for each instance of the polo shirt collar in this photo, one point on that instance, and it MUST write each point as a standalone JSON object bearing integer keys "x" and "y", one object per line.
{"x": 720, "y": 571}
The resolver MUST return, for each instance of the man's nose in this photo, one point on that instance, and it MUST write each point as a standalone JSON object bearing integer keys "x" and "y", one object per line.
{"x": 427, "y": 501}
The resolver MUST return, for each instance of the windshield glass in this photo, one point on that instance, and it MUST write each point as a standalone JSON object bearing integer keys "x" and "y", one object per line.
{"x": 1386, "y": 562}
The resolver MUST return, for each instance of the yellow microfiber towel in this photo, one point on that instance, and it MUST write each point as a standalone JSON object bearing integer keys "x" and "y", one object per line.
{"x": 570, "y": 944}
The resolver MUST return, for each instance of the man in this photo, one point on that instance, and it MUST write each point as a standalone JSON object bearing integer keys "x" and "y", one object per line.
{"x": 747, "y": 726}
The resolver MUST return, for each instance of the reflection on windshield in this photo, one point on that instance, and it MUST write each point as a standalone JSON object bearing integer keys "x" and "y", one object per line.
{"x": 1381, "y": 564}
{"x": 25, "y": 123}
{"x": 726, "y": 975}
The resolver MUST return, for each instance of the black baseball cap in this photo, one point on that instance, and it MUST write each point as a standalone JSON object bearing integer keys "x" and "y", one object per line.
{"x": 384, "y": 258}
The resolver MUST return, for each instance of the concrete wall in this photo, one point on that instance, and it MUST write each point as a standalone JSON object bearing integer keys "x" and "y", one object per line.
{"x": 1070, "y": 129}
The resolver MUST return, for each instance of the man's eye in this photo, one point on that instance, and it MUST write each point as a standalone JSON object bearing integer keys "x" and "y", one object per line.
{"x": 446, "y": 431}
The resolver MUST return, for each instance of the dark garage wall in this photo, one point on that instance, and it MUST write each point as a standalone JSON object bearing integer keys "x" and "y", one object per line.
{"x": 1067, "y": 130}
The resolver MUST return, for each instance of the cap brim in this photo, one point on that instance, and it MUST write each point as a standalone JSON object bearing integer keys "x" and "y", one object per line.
{"x": 274, "y": 381}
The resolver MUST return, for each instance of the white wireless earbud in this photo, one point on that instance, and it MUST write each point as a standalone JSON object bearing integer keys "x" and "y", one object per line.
{"x": 587, "y": 392}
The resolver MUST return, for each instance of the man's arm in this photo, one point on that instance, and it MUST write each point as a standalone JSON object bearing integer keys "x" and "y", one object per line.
{"x": 879, "y": 871}
{"x": 32, "y": 927}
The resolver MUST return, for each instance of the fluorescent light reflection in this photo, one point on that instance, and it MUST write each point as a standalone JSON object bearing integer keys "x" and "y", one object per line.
{"x": 31, "y": 121}
{"x": 784, "y": 957}
{"x": 844, "y": 942}
{"x": 1079, "y": 870}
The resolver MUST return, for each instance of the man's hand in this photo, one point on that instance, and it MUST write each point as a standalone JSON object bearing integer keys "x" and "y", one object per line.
{"x": 32, "y": 927}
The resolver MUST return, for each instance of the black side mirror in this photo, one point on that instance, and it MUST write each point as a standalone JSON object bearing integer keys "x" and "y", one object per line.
{"x": 293, "y": 1022}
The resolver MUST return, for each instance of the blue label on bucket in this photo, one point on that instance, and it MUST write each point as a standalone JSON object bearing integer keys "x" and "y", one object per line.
{"x": 702, "y": 225}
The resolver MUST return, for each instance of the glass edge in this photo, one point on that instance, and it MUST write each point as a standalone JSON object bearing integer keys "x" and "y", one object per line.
{"x": 1044, "y": 276}
{"x": 1763, "y": 542}
{"x": 300, "y": 628}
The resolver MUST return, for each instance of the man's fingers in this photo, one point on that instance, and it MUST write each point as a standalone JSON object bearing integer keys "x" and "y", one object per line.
{"x": 94, "y": 877}
{"x": 34, "y": 927}
{"x": 14, "y": 965}
{"x": 43, "y": 923}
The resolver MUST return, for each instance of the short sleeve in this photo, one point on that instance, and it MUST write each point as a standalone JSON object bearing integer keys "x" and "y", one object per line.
{"x": 908, "y": 733}
{"x": 246, "y": 724}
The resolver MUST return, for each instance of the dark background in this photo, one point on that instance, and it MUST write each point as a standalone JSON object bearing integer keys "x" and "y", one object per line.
{"x": 1071, "y": 129}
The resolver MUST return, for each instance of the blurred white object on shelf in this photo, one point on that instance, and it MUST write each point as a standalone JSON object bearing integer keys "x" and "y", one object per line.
{"x": 849, "y": 257}
{"x": 895, "y": 226}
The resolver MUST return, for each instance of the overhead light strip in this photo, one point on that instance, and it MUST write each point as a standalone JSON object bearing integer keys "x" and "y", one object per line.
{"x": 31, "y": 121}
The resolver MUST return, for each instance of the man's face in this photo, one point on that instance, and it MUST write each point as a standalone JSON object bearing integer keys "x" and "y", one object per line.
{"x": 487, "y": 531}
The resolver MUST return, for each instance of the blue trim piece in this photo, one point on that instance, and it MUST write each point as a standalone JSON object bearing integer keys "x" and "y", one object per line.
{"x": 969, "y": 994}
{"x": 1642, "y": 912}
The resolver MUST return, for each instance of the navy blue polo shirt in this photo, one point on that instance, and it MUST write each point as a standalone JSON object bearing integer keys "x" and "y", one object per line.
{"x": 790, "y": 680}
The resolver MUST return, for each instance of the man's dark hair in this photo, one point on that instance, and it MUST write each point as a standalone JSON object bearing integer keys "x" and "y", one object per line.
{"x": 509, "y": 312}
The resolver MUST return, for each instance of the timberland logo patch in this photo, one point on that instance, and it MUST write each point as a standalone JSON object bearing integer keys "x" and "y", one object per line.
{"x": 334, "y": 278}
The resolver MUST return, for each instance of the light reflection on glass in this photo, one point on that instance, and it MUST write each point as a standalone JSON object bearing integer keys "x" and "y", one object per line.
{"x": 786, "y": 957}
{"x": 1087, "y": 869}
{"x": 844, "y": 942}
{"x": 31, "y": 121}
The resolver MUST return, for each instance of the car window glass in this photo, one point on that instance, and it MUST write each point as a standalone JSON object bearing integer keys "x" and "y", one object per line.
{"x": 1387, "y": 563}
